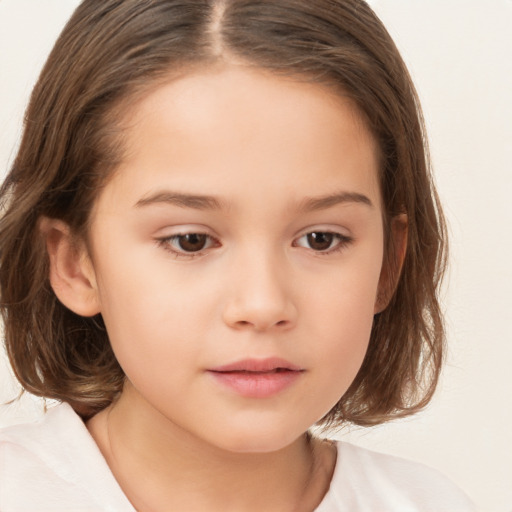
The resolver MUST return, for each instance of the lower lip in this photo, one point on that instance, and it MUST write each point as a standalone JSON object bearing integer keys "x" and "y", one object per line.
{"x": 257, "y": 384}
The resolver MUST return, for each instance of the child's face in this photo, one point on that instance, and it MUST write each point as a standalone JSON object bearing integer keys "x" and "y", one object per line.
{"x": 244, "y": 224}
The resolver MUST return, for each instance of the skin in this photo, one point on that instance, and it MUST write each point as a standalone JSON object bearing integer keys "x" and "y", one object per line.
{"x": 263, "y": 147}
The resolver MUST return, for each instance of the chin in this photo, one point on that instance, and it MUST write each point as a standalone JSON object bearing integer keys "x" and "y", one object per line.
{"x": 258, "y": 441}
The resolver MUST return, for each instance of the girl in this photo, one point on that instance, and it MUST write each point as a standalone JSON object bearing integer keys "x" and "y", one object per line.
{"x": 220, "y": 230}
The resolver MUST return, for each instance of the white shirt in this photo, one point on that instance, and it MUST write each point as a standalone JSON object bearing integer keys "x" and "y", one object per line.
{"x": 54, "y": 465}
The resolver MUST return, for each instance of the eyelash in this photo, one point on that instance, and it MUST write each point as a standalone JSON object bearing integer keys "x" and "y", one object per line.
{"x": 166, "y": 244}
{"x": 343, "y": 241}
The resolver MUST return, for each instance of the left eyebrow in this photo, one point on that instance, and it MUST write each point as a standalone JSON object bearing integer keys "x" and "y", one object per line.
{"x": 323, "y": 202}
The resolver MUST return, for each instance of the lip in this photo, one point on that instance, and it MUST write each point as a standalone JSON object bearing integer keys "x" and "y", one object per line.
{"x": 257, "y": 365}
{"x": 257, "y": 378}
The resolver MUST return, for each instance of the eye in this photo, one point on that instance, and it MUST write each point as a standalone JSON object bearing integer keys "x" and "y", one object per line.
{"x": 191, "y": 242}
{"x": 187, "y": 244}
{"x": 323, "y": 241}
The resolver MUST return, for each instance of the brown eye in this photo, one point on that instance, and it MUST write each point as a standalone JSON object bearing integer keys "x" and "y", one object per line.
{"x": 192, "y": 242}
{"x": 188, "y": 245}
{"x": 323, "y": 242}
{"x": 319, "y": 241}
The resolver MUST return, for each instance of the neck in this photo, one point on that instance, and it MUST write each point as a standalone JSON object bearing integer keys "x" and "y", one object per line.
{"x": 160, "y": 466}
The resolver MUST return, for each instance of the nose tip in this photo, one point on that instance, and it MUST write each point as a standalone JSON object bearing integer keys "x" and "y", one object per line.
{"x": 260, "y": 303}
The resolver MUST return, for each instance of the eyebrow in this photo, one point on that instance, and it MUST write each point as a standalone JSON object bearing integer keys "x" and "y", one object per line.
{"x": 322, "y": 203}
{"x": 203, "y": 202}
{"x": 196, "y": 202}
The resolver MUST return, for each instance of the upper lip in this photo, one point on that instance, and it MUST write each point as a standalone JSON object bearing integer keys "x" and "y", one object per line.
{"x": 257, "y": 365}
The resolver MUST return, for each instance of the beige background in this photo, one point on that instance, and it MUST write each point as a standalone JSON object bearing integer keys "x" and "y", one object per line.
{"x": 460, "y": 55}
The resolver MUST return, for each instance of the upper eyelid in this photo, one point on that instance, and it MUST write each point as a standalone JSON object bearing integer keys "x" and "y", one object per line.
{"x": 341, "y": 231}
{"x": 342, "y": 237}
{"x": 327, "y": 231}
{"x": 185, "y": 229}
{"x": 174, "y": 236}
{"x": 169, "y": 232}
{"x": 203, "y": 230}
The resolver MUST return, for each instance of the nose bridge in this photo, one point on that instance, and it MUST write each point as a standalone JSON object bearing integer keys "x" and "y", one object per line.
{"x": 260, "y": 291}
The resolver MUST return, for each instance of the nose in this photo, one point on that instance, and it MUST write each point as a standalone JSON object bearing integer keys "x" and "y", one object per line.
{"x": 260, "y": 296}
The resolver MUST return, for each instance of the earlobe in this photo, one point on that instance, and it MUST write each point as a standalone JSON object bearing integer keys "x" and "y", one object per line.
{"x": 393, "y": 262}
{"x": 72, "y": 275}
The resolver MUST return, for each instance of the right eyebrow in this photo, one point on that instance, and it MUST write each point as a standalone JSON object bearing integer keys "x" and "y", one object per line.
{"x": 194, "y": 201}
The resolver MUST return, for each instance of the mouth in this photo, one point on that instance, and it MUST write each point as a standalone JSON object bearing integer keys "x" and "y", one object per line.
{"x": 269, "y": 365}
{"x": 253, "y": 378}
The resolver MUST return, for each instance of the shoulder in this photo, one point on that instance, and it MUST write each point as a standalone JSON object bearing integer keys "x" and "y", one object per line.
{"x": 54, "y": 464}
{"x": 44, "y": 440}
{"x": 365, "y": 480}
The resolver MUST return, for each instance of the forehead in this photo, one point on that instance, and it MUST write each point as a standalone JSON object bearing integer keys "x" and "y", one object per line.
{"x": 235, "y": 126}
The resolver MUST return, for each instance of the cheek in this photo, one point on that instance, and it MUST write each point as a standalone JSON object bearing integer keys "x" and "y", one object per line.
{"x": 343, "y": 335}
{"x": 133, "y": 308}
{"x": 156, "y": 317}
{"x": 341, "y": 321}
{"x": 343, "y": 299}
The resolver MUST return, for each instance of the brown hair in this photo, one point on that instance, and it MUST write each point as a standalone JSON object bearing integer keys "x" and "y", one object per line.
{"x": 71, "y": 143}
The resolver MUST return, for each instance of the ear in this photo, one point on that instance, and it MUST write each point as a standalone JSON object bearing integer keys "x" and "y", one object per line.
{"x": 72, "y": 274}
{"x": 392, "y": 262}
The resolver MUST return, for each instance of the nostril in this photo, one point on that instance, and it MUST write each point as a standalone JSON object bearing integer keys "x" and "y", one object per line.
{"x": 261, "y": 325}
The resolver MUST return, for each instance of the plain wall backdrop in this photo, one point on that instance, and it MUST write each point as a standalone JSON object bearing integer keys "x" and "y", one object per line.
{"x": 459, "y": 53}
